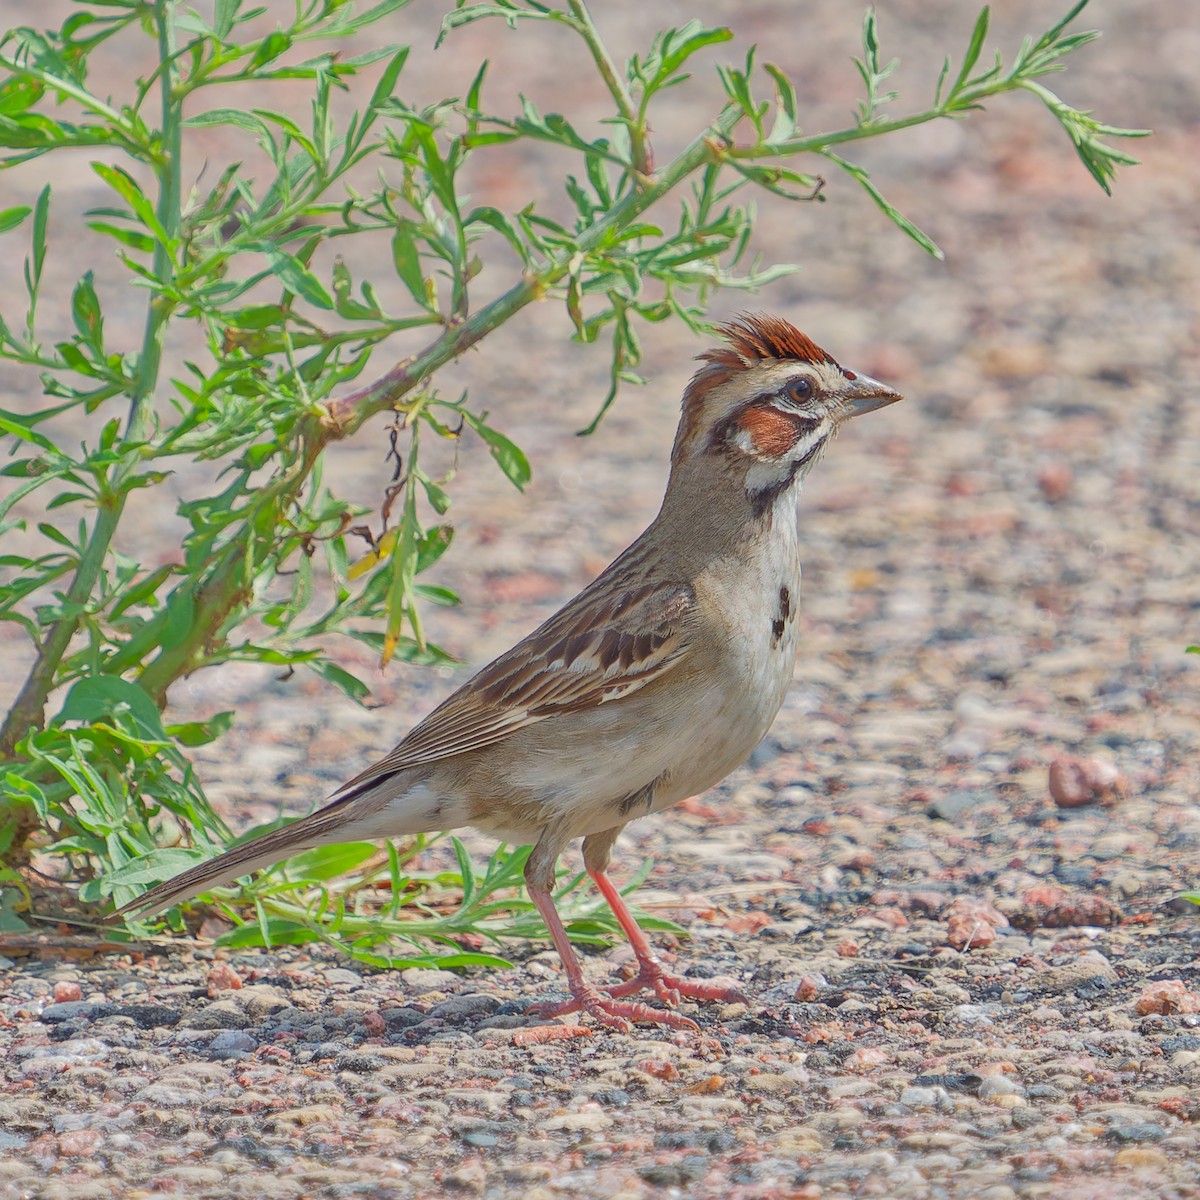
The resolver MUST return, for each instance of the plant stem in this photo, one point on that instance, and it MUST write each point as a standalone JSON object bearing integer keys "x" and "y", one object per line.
{"x": 30, "y": 707}
{"x": 634, "y": 121}
{"x": 957, "y": 105}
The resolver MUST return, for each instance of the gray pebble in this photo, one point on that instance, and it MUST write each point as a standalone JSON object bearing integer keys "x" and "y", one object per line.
{"x": 955, "y": 805}
{"x": 232, "y": 1043}
{"x": 459, "y": 1007}
{"x": 1142, "y": 1131}
{"x": 220, "y": 1014}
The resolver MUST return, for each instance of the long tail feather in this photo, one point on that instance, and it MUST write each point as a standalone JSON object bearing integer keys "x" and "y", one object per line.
{"x": 329, "y": 824}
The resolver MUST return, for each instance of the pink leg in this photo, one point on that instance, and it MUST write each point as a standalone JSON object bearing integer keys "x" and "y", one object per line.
{"x": 585, "y": 997}
{"x": 668, "y": 988}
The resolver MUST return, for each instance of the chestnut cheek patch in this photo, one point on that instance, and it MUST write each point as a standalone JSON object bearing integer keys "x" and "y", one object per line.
{"x": 771, "y": 434}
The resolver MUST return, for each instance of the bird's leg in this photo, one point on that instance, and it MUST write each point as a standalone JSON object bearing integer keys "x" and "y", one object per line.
{"x": 651, "y": 973}
{"x": 585, "y": 997}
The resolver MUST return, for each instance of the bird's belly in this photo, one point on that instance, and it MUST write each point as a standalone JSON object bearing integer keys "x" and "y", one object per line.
{"x": 600, "y": 769}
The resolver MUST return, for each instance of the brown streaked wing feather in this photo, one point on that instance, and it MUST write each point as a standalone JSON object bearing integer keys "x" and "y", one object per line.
{"x": 602, "y": 646}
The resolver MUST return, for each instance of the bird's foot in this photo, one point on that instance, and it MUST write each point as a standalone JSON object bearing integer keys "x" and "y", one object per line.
{"x": 670, "y": 989}
{"x": 613, "y": 1012}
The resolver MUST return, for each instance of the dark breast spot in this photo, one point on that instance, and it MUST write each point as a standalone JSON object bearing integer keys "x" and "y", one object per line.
{"x": 779, "y": 624}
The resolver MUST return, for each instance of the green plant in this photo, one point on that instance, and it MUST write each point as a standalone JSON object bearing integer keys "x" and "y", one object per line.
{"x": 267, "y": 571}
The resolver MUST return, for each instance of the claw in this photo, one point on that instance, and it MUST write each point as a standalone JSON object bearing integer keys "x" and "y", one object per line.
{"x": 671, "y": 988}
{"x": 612, "y": 1012}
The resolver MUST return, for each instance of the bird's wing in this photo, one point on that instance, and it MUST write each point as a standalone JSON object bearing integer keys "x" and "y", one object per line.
{"x": 604, "y": 645}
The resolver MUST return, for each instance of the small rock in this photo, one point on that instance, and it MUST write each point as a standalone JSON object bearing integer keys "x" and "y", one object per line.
{"x": 1140, "y": 1131}
{"x": 478, "y": 1138}
{"x": 428, "y": 979}
{"x": 953, "y": 806}
{"x": 220, "y": 1014}
{"x": 1075, "y": 782}
{"x": 1167, "y": 996}
{"x": 1133, "y": 1157}
{"x": 1090, "y": 968}
{"x": 798, "y": 1140}
{"x": 457, "y": 1008}
{"x": 967, "y": 932}
{"x": 74, "y": 1010}
{"x": 223, "y": 978}
{"x": 1055, "y": 479}
{"x": 67, "y": 991}
{"x": 79, "y": 1143}
{"x": 991, "y": 1086}
{"x": 973, "y": 1014}
{"x": 807, "y": 989}
{"x": 402, "y": 1018}
{"x": 342, "y": 977}
{"x": 358, "y": 1062}
{"x": 232, "y": 1043}
{"x": 593, "y": 1120}
{"x": 261, "y": 1002}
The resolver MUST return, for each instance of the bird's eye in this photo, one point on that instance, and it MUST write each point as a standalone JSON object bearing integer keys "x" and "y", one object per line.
{"x": 799, "y": 391}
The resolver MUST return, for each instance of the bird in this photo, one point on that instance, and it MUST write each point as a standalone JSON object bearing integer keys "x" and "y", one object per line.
{"x": 648, "y": 687}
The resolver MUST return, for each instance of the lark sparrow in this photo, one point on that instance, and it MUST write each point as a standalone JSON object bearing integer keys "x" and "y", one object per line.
{"x": 649, "y": 686}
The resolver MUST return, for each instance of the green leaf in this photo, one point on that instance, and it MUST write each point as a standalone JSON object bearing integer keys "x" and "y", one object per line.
{"x": 85, "y": 305}
{"x": 150, "y": 868}
{"x": 270, "y": 48}
{"x": 785, "y": 107}
{"x": 349, "y": 685}
{"x": 407, "y": 261}
{"x": 328, "y": 862}
{"x": 437, "y": 497}
{"x": 898, "y": 218}
{"x": 294, "y": 276}
{"x": 508, "y": 454}
{"x": 140, "y": 242}
{"x": 99, "y": 697}
{"x": 433, "y": 545}
{"x": 10, "y": 218}
{"x": 274, "y": 931}
{"x": 971, "y": 57}
{"x": 41, "y": 216}
{"x": 127, "y": 188}
{"x": 387, "y": 81}
{"x": 493, "y": 218}
{"x": 237, "y": 117}
{"x": 201, "y": 733}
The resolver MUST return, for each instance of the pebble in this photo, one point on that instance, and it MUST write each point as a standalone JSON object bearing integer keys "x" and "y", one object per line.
{"x": 1090, "y": 967}
{"x": 231, "y": 1044}
{"x": 924, "y": 1097}
{"x": 220, "y": 1014}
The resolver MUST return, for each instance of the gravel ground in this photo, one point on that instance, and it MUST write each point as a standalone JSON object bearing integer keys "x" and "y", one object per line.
{"x": 949, "y": 878}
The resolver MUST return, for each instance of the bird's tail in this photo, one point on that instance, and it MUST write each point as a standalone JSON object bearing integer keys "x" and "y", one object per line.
{"x": 330, "y": 824}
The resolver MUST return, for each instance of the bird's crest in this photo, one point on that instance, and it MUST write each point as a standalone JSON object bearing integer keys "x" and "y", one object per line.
{"x": 753, "y": 337}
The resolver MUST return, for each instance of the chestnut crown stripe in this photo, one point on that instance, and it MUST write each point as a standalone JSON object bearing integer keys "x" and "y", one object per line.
{"x": 754, "y": 337}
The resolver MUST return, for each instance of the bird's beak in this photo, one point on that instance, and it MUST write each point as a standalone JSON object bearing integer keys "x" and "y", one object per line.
{"x": 864, "y": 394}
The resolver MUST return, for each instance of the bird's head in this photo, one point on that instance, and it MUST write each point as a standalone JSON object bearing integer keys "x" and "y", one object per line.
{"x": 767, "y": 404}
